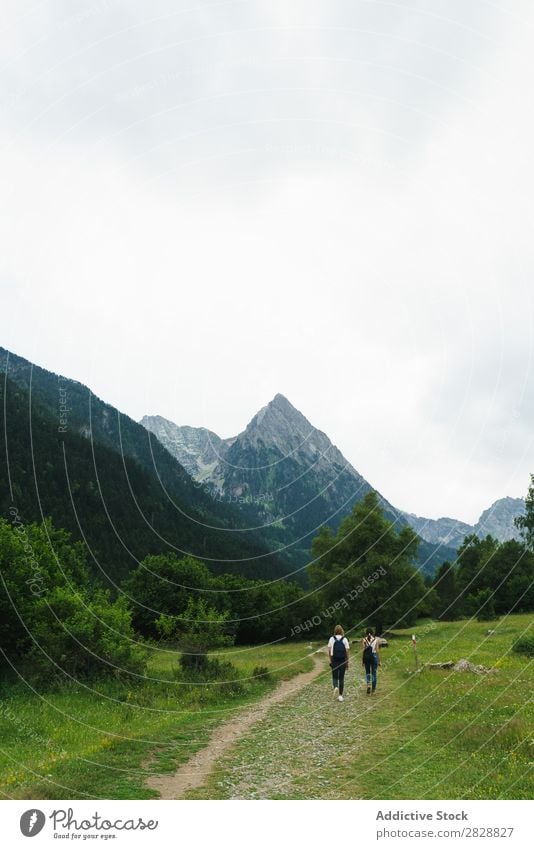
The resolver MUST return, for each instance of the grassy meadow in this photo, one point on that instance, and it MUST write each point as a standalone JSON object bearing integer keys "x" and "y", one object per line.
{"x": 435, "y": 734}
{"x": 94, "y": 742}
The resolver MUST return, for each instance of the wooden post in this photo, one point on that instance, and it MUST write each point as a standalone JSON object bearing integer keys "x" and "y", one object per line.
{"x": 414, "y": 644}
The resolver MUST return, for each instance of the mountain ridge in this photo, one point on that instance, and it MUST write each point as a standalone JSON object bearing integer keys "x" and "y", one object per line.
{"x": 279, "y": 433}
{"x": 288, "y": 474}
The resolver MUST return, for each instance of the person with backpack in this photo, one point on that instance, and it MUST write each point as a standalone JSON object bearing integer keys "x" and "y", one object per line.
{"x": 371, "y": 659}
{"x": 338, "y": 652}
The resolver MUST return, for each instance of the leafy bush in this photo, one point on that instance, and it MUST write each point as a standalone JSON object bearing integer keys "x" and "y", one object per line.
{"x": 221, "y": 670}
{"x": 51, "y": 624}
{"x": 223, "y": 674}
{"x": 231, "y": 688}
{"x": 192, "y": 660}
{"x": 165, "y": 582}
{"x": 525, "y": 645}
{"x": 84, "y": 636}
{"x": 227, "y": 675}
{"x": 198, "y": 629}
{"x": 261, "y": 672}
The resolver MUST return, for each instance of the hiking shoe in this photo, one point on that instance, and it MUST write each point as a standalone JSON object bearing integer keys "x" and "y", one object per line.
{"x": 336, "y": 692}
{"x": 340, "y": 699}
{"x": 368, "y": 691}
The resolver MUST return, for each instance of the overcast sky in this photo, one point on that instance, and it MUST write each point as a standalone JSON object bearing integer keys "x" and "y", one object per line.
{"x": 206, "y": 203}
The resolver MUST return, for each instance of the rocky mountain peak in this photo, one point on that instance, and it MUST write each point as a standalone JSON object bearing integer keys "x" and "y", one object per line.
{"x": 197, "y": 448}
{"x": 498, "y": 520}
{"x": 279, "y": 424}
{"x": 281, "y": 403}
{"x": 288, "y": 471}
{"x": 280, "y": 406}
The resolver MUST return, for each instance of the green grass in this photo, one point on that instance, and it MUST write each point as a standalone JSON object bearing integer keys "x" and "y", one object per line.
{"x": 443, "y": 734}
{"x": 433, "y": 735}
{"x": 95, "y": 742}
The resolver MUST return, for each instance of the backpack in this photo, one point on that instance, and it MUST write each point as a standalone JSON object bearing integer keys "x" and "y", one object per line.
{"x": 339, "y": 652}
{"x": 368, "y": 653}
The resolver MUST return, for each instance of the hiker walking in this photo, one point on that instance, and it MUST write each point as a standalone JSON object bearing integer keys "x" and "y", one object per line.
{"x": 371, "y": 659}
{"x": 338, "y": 652}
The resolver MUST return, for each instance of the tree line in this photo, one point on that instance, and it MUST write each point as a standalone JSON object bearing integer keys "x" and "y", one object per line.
{"x": 57, "y": 619}
{"x": 489, "y": 578}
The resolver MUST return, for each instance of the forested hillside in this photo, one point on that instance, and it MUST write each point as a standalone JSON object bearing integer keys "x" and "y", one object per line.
{"x": 114, "y": 501}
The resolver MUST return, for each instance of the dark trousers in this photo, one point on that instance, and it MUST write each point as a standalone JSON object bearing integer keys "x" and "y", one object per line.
{"x": 338, "y": 676}
{"x": 370, "y": 671}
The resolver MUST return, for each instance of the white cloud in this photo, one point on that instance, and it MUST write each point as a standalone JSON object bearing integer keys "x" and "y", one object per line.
{"x": 327, "y": 200}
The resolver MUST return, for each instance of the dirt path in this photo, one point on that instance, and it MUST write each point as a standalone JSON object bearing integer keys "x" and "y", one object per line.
{"x": 306, "y": 747}
{"x": 196, "y": 771}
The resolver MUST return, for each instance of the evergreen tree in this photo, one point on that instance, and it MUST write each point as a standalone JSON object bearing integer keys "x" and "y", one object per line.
{"x": 447, "y": 604}
{"x": 366, "y": 568}
{"x": 488, "y": 580}
{"x": 526, "y": 523}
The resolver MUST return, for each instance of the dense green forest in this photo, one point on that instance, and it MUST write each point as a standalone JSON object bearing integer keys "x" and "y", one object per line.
{"x": 56, "y": 621}
{"x": 489, "y": 578}
{"x": 112, "y": 500}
